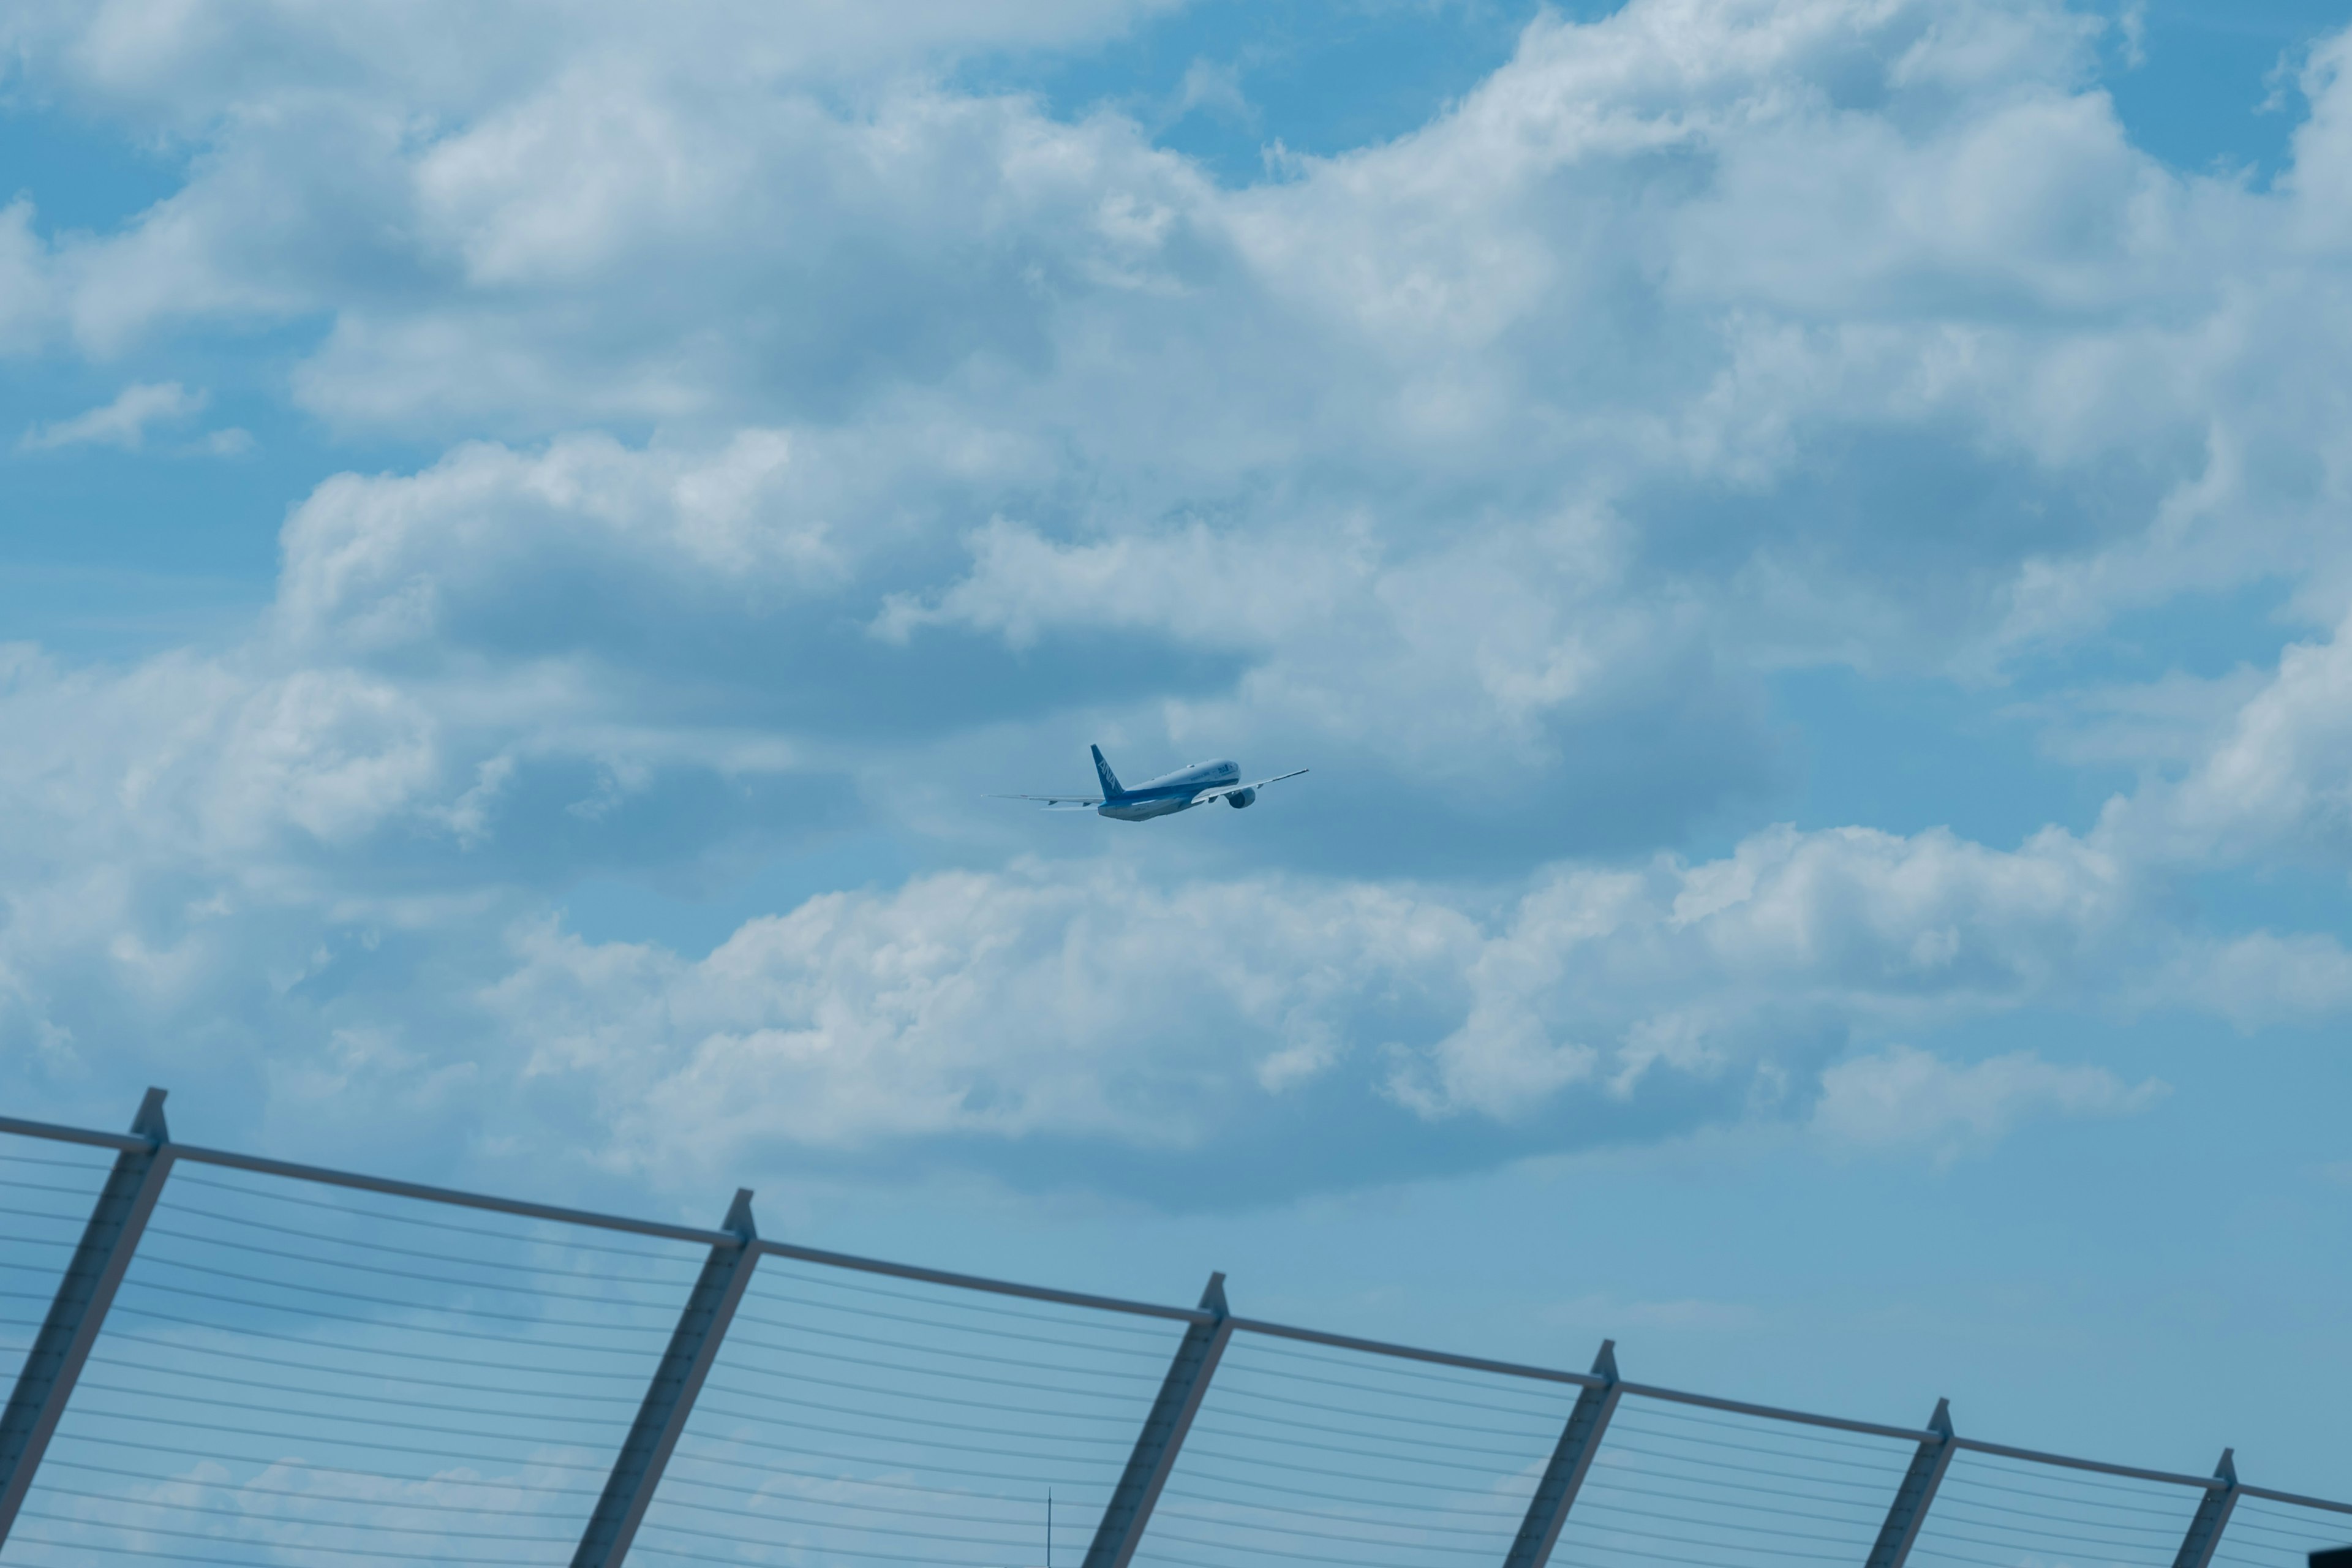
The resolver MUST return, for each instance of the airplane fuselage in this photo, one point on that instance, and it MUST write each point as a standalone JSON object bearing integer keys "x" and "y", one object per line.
{"x": 1169, "y": 792}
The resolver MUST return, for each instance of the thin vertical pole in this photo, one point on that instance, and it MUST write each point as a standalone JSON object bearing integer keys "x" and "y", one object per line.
{"x": 669, "y": 1398}
{"x": 1156, "y": 1446}
{"x": 78, "y": 1309}
{"x": 1912, "y": 1498}
{"x": 2213, "y": 1510}
{"x": 1571, "y": 1457}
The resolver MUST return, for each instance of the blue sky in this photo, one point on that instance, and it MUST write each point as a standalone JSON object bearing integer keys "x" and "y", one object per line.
{"x": 1803, "y": 543}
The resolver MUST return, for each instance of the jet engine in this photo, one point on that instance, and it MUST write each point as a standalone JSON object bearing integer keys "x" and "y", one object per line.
{"x": 1240, "y": 798}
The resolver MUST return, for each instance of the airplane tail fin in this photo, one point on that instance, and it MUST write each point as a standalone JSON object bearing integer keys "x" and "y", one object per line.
{"x": 1102, "y": 771}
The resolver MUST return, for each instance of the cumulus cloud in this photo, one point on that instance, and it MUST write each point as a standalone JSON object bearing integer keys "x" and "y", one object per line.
{"x": 311, "y": 869}
{"x": 1050, "y": 1018}
{"x": 1080, "y": 1007}
{"x": 1914, "y": 239}
{"x": 442, "y": 557}
{"x": 821, "y": 436}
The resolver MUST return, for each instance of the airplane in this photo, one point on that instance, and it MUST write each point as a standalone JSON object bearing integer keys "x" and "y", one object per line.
{"x": 1163, "y": 796}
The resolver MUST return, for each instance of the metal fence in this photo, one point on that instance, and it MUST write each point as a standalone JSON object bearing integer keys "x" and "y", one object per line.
{"x": 227, "y": 1360}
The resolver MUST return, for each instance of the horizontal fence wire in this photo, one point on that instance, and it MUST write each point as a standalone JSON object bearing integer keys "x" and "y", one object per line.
{"x": 1304, "y": 1454}
{"x": 305, "y": 1372}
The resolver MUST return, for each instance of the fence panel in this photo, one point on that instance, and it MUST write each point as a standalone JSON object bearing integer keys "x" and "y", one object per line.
{"x": 1304, "y": 1454}
{"x": 1996, "y": 1512}
{"x": 1676, "y": 1485}
{"x": 861, "y": 1419}
{"x": 296, "y": 1373}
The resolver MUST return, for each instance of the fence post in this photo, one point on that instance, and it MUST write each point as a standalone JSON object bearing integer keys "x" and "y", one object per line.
{"x": 669, "y": 1397}
{"x": 1148, "y": 1467}
{"x": 2213, "y": 1511}
{"x": 1909, "y": 1510}
{"x": 79, "y": 1308}
{"x": 1570, "y": 1459}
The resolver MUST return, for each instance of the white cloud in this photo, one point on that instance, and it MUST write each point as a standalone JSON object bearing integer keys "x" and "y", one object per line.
{"x": 2169, "y": 721}
{"x": 441, "y": 557}
{"x": 2131, "y": 22}
{"x": 2263, "y": 979}
{"x": 1011, "y": 1004}
{"x": 2272, "y": 781}
{"x": 313, "y": 870}
{"x": 1076, "y": 1002}
{"x": 1826, "y": 223}
{"x": 228, "y": 442}
{"x": 1216, "y": 86}
{"x": 1904, "y": 1098}
{"x": 1204, "y": 587}
{"x": 1496, "y": 641}
{"x": 1795, "y": 936}
{"x": 187, "y": 829}
{"x": 121, "y": 423}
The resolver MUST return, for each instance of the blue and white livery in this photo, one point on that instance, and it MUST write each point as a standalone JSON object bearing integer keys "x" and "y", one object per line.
{"x": 1163, "y": 796}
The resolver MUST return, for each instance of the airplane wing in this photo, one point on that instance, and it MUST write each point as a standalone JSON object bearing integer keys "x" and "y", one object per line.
{"x": 1207, "y": 795}
{"x": 1058, "y": 802}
